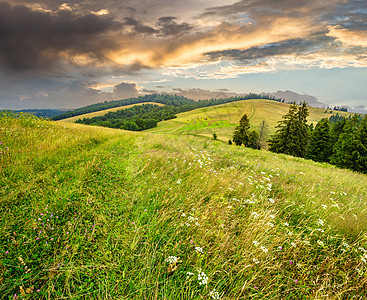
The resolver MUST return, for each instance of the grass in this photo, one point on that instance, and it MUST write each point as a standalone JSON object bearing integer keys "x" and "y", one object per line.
{"x": 103, "y": 112}
{"x": 95, "y": 213}
{"x": 222, "y": 119}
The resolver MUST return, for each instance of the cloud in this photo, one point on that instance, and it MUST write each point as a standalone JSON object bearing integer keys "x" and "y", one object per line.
{"x": 201, "y": 94}
{"x": 125, "y": 90}
{"x": 349, "y": 38}
{"x": 42, "y": 40}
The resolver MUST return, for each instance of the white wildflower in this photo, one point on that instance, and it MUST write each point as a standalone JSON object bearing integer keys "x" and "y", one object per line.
{"x": 265, "y": 250}
{"x": 271, "y": 200}
{"x": 255, "y": 214}
{"x": 199, "y": 249}
{"x": 286, "y": 224}
{"x": 256, "y": 243}
{"x": 202, "y": 278}
{"x": 256, "y": 261}
{"x": 214, "y": 294}
{"x": 323, "y": 206}
{"x": 294, "y": 245}
{"x": 171, "y": 259}
{"x": 345, "y": 245}
{"x": 320, "y": 243}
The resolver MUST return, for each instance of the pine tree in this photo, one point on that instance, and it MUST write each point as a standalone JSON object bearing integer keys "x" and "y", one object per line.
{"x": 293, "y": 132}
{"x": 320, "y": 146}
{"x": 278, "y": 141}
{"x": 241, "y": 133}
{"x": 346, "y": 151}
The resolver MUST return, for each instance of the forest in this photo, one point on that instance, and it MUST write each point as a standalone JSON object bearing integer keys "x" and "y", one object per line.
{"x": 338, "y": 140}
{"x": 180, "y": 103}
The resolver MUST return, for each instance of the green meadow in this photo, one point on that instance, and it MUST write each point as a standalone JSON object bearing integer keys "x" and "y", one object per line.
{"x": 222, "y": 119}
{"x": 98, "y": 213}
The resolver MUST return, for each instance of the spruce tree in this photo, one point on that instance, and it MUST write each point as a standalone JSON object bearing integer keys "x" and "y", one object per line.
{"x": 293, "y": 133}
{"x": 347, "y": 150}
{"x": 278, "y": 141}
{"x": 320, "y": 146}
{"x": 241, "y": 133}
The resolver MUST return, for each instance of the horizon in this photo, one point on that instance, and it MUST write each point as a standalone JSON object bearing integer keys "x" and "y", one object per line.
{"x": 64, "y": 55}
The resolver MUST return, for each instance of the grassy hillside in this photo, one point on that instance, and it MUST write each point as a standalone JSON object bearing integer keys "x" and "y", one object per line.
{"x": 222, "y": 119}
{"x": 103, "y": 112}
{"x": 97, "y": 213}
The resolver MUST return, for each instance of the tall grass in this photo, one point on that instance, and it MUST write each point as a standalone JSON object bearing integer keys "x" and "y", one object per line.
{"x": 92, "y": 212}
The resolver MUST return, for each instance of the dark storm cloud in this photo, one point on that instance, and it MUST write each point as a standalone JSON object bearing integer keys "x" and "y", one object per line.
{"x": 299, "y": 46}
{"x": 125, "y": 90}
{"x": 164, "y": 26}
{"x": 169, "y": 26}
{"x": 38, "y": 40}
{"x": 138, "y": 26}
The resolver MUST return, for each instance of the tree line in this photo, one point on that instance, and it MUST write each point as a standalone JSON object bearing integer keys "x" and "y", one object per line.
{"x": 338, "y": 140}
{"x": 184, "y": 103}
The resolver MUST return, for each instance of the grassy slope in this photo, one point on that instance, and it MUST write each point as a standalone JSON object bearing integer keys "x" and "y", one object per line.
{"x": 103, "y": 112}
{"x": 91, "y": 212}
{"x": 223, "y": 118}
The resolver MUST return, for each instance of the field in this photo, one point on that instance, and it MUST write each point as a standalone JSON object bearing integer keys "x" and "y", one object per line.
{"x": 222, "y": 119}
{"x": 98, "y": 213}
{"x": 103, "y": 112}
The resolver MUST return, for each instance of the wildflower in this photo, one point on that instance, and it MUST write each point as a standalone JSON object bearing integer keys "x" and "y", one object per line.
{"x": 270, "y": 224}
{"x": 294, "y": 245}
{"x": 6, "y": 252}
{"x": 296, "y": 281}
{"x": 255, "y": 214}
{"x": 271, "y": 200}
{"x": 280, "y": 247}
{"x": 265, "y": 250}
{"x": 188, "y": 274}
{"x": 199, "y": 249}
{"x": 286, "y": 224}
{"x": 345, "y": 245}
{"x": 256, "y": 243}
{"x": 214, "y": 294}
{"x": 320, "y": 243}
{"x": 323, "y": 206}
{"x": 256, "y": 261}
{"x": 202, "y": 278}
{"x": 171, "y": 259}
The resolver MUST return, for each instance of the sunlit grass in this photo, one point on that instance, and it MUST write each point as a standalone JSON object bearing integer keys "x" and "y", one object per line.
{"x": 227, "y": 116}
{"x": 90, "y": 212}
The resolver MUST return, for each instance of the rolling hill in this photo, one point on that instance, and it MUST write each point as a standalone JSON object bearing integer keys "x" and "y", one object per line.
{"x": 100, "y": 213}
{"x": 222, "y": 119}
{"x": 103, "y": 112}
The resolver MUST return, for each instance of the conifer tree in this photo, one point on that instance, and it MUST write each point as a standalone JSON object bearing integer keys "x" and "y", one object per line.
{"x": 243, "y": 135}
{"x": 320, "y": 146}
{"x": 293, "y": 133}
{"x": 346, "y": 151}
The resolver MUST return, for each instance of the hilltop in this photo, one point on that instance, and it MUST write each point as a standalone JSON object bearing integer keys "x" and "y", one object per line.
{"x": 91, "y": 212}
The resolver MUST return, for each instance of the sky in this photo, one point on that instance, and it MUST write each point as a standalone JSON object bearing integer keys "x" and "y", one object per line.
{"x": 56, "y": 54}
